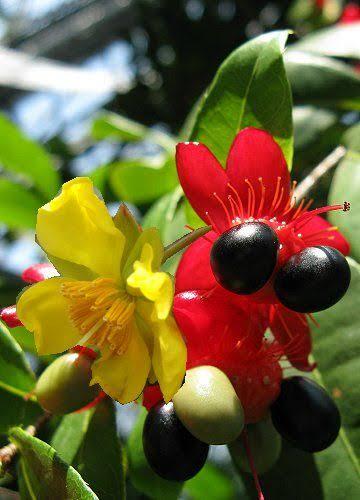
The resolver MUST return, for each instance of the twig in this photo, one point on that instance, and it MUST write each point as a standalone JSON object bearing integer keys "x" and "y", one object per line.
{"x": 183, "y": 242}
{"x": 319, "y": 171}
{"x": 8, "y": 452}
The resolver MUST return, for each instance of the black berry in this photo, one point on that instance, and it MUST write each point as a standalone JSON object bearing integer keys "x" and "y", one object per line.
{"x": 171, "y": 451}
{"x": 305, "y": 415}
{"x": 244, "y": 257}
{"x": 313, "y": 279}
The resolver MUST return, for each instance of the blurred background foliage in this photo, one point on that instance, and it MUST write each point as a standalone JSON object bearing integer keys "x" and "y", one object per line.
{"x": 156, "y": 58}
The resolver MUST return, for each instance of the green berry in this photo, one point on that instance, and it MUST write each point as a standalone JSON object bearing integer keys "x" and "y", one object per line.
{"x": 64, "y": 386}
{"x": 208, "y": 406}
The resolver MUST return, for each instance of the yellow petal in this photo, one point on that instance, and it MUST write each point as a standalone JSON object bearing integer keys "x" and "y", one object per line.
{"x": 149, "y": 236}
{"x": 169, "y": 357}
{"x": 76, "y": 227}
{"x": 127, "y": 225}
{"x": 156, "y": 287}
{"x": 44, "y": 311}
{"x": 123, "y": 377}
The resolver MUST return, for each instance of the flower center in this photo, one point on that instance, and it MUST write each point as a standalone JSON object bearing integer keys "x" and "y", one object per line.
{"x": 101, "y": 312}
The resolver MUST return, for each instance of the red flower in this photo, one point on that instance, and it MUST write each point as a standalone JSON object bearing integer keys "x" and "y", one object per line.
{"x": 350, "y": 14}
{"x": 222, "y": 328}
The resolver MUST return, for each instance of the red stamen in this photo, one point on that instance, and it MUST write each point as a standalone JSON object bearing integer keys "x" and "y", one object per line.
{"x": 276, "y": 194}
{"x": 251, "y": 199}
{"x": 233, "y": 207}
{"x": 212, "y": 223}
{"x": 223, "y": 207}
{"x": 252, "y": 465}
{"x": 298, "y": 210}
{"x": 239, "y": 202}
{"x": 262, "y": 200}
{"x": 303, "y": 219}
{"x": 316, "y": 323}
{"x": 279, "y": 200}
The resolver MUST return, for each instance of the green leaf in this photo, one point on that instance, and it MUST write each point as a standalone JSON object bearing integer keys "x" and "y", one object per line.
{"x": 143, "y": 180}
{"x": 100, "y": 459}
{"x": 213, "y": 481}
{"x": 20, "y": 155}
{"x": 337, "y": 351}
{"x": 142, "y": 476}
{"x": 24, "y": 338}
{"x": 16, "y": 382}
{"x": 111, "y": 125}
{"x": 322, "y": 81}
{"x": 18, "y": 206}
{"x": 311, "y": 124}
{"x": 249, "y": 89}
{"x": 351, "y": 138}
{"x": 70, "y": 434}
{"x": 45, "y": 472}
{"x": 345, "y": 187}
{"x": 336, "y": 41}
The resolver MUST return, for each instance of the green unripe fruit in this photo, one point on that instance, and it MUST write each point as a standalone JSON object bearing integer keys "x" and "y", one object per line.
{"x": 64, "y": 386}
{"x": 208, "y": 406}
{"x": 265, "y": 446}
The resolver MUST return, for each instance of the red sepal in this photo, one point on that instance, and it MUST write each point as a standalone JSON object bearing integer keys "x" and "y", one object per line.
{"x": 39, "y": 272}
{"x": 10, "y": 317}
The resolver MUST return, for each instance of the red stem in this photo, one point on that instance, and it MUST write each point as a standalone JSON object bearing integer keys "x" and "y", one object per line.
{"x": 252, "y": 465}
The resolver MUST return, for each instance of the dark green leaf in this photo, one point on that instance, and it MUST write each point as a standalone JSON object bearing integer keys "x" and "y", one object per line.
{"x": 249, "y": 89}
{"x": 337, "y": 41}
{"x": 322, "y": 81}
{"x": 45, "y": 473}
{"x": 337, "y": 351}
{"x": 100, "y": 460}
{"x": 346, "y": 186}
{"x": 143, "y": 180}
{"x": 213, "y": 481}
{"x": 70, "y": 434}
{"x": 141, "y": 475}
{"x": 16, "y": 382}
{"x": 311, "y": 124}
{"x": 18, "y": 206}
{"x": 20, "y": 155}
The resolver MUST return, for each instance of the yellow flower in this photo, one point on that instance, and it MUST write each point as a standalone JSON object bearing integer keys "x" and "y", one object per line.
{"x": 110, "y": 295}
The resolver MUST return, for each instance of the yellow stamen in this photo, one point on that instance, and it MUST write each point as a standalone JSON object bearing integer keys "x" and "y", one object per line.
{"x": 101, "y": 311}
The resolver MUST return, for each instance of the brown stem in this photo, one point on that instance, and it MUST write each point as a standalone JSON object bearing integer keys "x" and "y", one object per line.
{"x": 8, "y": 452}
{"x": 183, "y": 242}
{"x": 318, "y": 172}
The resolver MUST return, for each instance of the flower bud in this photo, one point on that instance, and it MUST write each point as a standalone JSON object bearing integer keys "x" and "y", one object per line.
{"x": 265, "y": 447}
{"x": 64, "y": 386}
{"x": 208, "y": 406}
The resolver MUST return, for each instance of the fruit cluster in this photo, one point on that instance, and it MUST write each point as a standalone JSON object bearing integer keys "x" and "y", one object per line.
{"x": 176, "y": 436}
{"x": 244, "y": 258}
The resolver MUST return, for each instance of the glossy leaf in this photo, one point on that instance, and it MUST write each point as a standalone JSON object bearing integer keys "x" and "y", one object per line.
{"x": 311, "y": 124}
{"x": 322, "y": 81}
{"x": 249, "y": 89}
{"x": 336, "y": 41}
{"x": 142, "y": 476}
{"x": 16, "y": 382}
{"x": 143, "y": 180}
{"x": 70, "y": 434}
{"x": 29, "y": 160}
{"x": 346, "y": 186}
{"x": 100, "y": 460}
{"x": 18, "y": 205}
{"x": 44, "y": 471}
